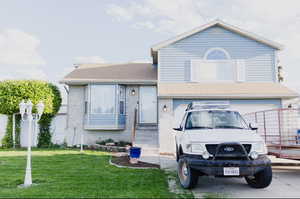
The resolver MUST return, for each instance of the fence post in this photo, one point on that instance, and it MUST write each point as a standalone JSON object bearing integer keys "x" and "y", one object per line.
{"x": 279, "y": 131}
{"x": 14, "y": 130}
{"x": 255, "y": 117}
{"x": 265, "y": 129}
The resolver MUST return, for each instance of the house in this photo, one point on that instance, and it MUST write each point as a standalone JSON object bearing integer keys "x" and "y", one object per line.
{"x": 214, "y": 62}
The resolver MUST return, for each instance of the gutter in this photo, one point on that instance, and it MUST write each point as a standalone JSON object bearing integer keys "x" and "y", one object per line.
{"x": 87, "y": 81}
{"x": 227, "y": 96}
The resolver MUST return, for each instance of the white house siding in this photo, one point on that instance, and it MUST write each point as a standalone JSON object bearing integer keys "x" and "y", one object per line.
{"x": 165, "y": 125}
{"x": 59, "y": 128}
{"x": 75, "y": 119}
{"x": 174, "y": 60}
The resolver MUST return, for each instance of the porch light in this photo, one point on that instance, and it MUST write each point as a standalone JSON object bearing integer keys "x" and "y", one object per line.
{"x": 40, "y": 108}
{"x": 29, "y": 107}
{"x": 165, "y": 108}
{"x": 22, "y": 107}
{"x": 132, "y": 92}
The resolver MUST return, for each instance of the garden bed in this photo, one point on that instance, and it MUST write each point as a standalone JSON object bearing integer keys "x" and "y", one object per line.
{"x": 107, "y": 148}
{"x": 123, "y": 161}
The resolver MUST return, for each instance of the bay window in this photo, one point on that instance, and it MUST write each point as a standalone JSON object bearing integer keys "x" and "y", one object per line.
{"x": 105, "y": 106}
{"x": 102, "y": 99}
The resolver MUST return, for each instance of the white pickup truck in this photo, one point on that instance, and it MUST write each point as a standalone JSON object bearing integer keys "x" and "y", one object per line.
{"x": 213, "y": 140}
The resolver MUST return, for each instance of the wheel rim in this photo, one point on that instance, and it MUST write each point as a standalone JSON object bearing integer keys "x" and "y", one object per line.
{"x": 183, "y": 173}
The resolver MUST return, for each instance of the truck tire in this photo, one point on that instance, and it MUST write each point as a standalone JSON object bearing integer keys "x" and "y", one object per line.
{"x": 188, "y": 178}
{"x": 260, "y": 180}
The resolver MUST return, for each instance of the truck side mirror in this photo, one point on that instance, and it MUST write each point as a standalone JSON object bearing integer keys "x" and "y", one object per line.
{"x": 178, "y": 129}
{"x": 253, "y": 126}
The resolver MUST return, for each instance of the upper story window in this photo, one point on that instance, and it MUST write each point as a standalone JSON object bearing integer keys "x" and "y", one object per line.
{"x": 217, "y": 65}
{"x": 217, "y": 54}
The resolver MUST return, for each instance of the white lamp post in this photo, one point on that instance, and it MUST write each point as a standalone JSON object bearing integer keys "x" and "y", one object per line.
{"x": 26, "y": 113}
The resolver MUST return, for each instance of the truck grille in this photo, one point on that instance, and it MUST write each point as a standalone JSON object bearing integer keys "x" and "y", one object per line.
{"x": 212, "y": 149}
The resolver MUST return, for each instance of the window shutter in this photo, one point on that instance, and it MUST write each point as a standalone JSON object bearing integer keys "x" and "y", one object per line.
{"x": 195, "y": 70}
{"x": 240, "y": 70}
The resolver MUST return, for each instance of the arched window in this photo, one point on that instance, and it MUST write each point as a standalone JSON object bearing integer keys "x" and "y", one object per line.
{"x": 216, "y": 54}
{"x": 216, "y": 66}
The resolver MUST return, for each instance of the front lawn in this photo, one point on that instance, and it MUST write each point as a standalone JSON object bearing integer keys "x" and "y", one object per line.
{"x": 69, "y": 174}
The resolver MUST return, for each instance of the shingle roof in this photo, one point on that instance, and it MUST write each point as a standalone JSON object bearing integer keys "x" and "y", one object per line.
{"x": 123, "y": 73}
{"x": 224, "y": 90}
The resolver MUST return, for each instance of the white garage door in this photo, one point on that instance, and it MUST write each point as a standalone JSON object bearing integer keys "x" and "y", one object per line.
{"x": 242, "y": 108}
{"x": 250, "y": 108}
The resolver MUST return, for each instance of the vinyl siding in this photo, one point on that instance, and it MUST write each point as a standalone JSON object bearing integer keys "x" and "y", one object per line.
{"x": 174, "y": 60}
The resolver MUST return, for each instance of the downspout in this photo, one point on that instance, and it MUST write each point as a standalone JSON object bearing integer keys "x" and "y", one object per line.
{"x": 67, "y": 92}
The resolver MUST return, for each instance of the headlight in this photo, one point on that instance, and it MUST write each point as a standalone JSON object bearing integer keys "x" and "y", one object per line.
{"x": 254, "y": 155}
{"x": 197, "y": 148}
{"x": 260, "y": 148}
{"x": 206, "y": 155}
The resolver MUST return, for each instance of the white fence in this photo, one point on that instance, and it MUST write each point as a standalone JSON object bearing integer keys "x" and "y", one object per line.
{"x": 57, "y": 129}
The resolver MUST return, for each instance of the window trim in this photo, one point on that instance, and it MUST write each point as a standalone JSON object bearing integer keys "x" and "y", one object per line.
{"x": 90, "y": 97}
{"x": 116, "y": 113}
{"x": 217, "y": 48}
{"x": 214, "y": 61}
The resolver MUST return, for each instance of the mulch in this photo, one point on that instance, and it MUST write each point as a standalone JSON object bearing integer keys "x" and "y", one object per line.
{"x": 124, "y": 161}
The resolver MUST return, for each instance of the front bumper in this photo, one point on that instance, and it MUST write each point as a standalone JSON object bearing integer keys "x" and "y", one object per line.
{"x": 215, "y": 167}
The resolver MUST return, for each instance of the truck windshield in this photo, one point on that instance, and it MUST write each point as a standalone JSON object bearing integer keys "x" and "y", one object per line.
{"x": 215, "y": 119}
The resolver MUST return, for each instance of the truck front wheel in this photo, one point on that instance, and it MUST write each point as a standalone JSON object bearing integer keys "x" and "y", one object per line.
{"x": 260, "y": 180}
{"x": 187, "y": 176}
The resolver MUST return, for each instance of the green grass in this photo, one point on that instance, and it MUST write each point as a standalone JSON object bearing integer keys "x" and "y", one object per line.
{"x": 69, "y": 174}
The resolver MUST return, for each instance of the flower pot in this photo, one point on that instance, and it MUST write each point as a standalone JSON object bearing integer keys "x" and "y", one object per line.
{"x": 134, "y": 154}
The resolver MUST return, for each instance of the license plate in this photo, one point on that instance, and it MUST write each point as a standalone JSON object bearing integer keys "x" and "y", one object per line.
{"x": 231, "y": 171}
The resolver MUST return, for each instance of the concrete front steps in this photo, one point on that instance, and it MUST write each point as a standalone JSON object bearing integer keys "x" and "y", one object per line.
{"x": 147, "y": 139}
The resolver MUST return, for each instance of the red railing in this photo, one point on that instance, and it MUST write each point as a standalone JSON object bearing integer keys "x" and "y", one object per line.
{"x": 279, "y": 128}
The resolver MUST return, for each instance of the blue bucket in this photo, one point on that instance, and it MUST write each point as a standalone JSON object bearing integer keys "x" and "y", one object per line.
{"x": 298, "y": 135}
{"x": 135, "y": 152}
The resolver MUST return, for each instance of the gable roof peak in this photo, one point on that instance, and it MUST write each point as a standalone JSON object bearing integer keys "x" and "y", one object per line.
{"x": 223, "y": 24}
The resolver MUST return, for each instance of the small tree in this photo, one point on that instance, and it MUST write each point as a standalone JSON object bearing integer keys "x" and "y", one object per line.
{"x": 11, "y": 94}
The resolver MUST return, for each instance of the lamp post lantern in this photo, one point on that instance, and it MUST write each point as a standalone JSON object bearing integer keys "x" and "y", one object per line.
{"x": 26, "y": 114}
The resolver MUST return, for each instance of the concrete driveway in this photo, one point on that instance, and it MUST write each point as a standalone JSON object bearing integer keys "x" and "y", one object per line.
{"x": 285, "y": 184}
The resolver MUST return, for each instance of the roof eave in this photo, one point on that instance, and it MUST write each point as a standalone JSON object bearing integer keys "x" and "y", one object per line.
{"x": 253, "y": 36}
{"x": 238, "y": 96}
{"x": 89, "y": 81}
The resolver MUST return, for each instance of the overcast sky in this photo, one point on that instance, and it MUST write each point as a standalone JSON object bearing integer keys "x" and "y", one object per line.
{"x": 42, "y": 39}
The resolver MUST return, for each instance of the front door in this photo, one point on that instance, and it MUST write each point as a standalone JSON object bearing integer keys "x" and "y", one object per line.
{"x": 148, "y": 105}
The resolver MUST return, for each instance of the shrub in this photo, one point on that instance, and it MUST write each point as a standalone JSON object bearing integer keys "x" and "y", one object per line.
{"x": 119, "y": 143}
{"x": 7, "y": 140}
{"x": 103, "y": 142}
{"x": 11, "y": 94}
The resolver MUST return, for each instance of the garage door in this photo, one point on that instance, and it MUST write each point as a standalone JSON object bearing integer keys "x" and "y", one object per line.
{"x": 243, "y": 106}
{"x": 249, "y": 108}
